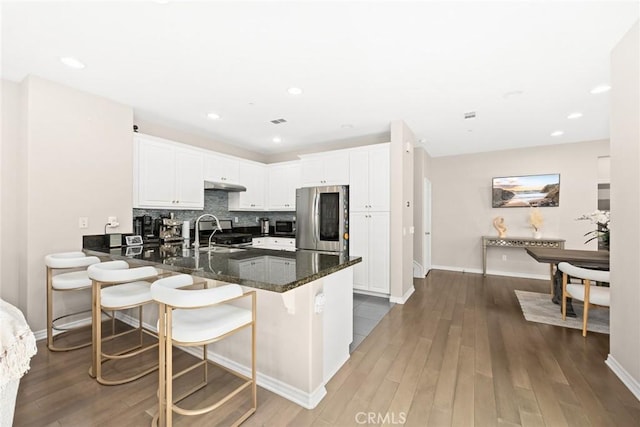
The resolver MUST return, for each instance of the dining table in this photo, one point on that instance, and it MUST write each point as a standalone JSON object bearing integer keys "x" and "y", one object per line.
{"x": 598, "y": 260}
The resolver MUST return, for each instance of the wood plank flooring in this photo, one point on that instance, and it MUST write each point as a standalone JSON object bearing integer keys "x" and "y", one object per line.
{"x": 458, "y": 353}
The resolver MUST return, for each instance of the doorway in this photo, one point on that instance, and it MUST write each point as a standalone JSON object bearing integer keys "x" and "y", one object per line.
{"x": 426, "y": 226}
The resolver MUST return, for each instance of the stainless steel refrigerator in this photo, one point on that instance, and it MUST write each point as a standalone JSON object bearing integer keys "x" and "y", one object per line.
{"x": 322, "y": 215}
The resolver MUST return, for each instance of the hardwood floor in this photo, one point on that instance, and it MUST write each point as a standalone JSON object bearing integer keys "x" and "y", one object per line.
{"x": 458, "y": 353}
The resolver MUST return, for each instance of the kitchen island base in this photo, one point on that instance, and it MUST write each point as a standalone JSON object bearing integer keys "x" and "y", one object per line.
{"x": 303, "y": 338}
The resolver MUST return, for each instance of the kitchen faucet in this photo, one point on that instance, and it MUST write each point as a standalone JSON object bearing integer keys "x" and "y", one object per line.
{"x": 196, "y": 240}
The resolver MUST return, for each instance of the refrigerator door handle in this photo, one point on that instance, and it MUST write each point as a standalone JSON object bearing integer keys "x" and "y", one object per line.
{"x": 316, "y": 215}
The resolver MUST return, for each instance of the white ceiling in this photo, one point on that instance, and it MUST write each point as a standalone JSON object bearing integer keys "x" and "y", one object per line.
{"x": 522, "y": 66}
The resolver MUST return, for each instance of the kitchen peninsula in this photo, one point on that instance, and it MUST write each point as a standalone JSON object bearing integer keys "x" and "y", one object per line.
{"x": 304, "y": 309}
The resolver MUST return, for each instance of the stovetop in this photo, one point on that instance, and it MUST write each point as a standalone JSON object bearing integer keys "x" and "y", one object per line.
{"x": 231, "y": 238}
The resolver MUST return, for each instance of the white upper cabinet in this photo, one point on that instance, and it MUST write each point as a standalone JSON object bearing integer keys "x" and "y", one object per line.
{"x": 219, "y": 168}
{"x": 330, "y": 168}
{"x": 369, "y": 178}
{"x": 284, "y": 179}
{"x": 166, "y": 175}
{"x": 254, "y": 177}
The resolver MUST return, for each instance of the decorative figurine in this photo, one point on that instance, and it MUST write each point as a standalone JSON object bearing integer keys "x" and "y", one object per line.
{"x": 498, "y": 223}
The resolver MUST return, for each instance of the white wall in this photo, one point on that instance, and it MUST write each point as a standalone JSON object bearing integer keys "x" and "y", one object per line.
{"x": 401, "y": 263}
{"x": 625, "y": 210}
{"x": 462, "y": 212}
{"x": 74, "y": 159}
{"x": 10, "y": 188}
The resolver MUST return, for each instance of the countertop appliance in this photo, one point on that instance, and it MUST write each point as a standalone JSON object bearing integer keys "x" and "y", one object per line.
{"x": 285, "y": 228}
{"x": 322, "y": 215}
{"x": 145, "y": 226}
{"x": 224, "y": 237}
{"x": 171, "y": 230}
{"x": 264, "y": 225}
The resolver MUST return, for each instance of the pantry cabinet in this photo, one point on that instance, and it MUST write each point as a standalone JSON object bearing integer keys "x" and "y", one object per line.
{"x": 167, "y": 175}
{"x": 369, "y": 239}
{"x": 370, "y": 178}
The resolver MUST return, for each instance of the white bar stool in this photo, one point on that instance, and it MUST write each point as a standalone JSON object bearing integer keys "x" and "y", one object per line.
{"x": 118, "y": 287}
{"x": 197, "y": 318}
{"x": 72, "y": 281}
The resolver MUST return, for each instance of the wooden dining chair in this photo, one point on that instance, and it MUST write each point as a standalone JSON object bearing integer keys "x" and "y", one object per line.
{"x": 586, "y": 291}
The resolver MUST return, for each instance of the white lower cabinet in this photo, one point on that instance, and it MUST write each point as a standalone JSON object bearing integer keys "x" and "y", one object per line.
{"x": 249, "y": 269}
{"x": 282, "y": 270}
{"x": 369, "y": 239}
{"x": 275, "y": 243}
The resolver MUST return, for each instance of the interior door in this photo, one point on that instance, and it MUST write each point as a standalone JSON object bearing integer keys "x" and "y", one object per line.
{"x": 426, "y": 249}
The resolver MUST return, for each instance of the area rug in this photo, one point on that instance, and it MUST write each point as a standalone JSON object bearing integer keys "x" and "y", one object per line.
{"x": 538, "y": 307}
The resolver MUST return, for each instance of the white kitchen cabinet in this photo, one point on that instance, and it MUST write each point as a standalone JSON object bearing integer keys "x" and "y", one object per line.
{"x": 220, "y": 168}
{"x": 281, "y": 270}
{"x": 250, "y": 269}
{"x": 369, "y": 239}
{"x": 330, "y": 168}
{"x": 275, "y": 243}
{"x": 369, "y": 178}
{"x": 167, "y": 175}
{"x": 284, "y": 179}
{"x": 253, "y": 176}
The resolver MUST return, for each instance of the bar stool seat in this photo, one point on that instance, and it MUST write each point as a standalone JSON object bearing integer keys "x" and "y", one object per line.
{"x": 126, "y": 294}
{"x": 76, "y": 280}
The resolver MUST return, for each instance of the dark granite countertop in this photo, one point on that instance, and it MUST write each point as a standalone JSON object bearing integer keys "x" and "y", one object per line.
{"x": 272, "y": 270}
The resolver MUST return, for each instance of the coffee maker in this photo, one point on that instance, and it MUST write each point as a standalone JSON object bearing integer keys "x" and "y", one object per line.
{"x": 144, "y": 226}
{"x": 171, "y": 230}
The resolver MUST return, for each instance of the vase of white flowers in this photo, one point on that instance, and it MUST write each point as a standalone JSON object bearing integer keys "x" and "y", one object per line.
{"x": 603, "y": 224}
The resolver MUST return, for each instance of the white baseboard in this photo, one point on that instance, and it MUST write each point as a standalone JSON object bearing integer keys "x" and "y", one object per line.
{"x": 418, "y": 270}
{"x": 42, "y": 334}
{"x": 492, "y": 272}
{"x": 632, "y": 384}
{"x": 373, "y": 294}
{"x": 404, "y": 298}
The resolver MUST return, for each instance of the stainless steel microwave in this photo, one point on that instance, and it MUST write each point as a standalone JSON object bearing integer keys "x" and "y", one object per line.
{"x": 285, "y": 227}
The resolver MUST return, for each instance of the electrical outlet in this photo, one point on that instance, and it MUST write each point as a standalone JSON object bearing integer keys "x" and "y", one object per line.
{"x": 504, "y": 257}
{"x": 83, "y": 222}
{"x": 112, "y": 222}
{"x": 257, "y": 219}
{"x": 235, "y": 220}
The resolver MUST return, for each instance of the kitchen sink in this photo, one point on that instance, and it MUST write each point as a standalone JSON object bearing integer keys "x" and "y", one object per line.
{"x": 222, "y": 250}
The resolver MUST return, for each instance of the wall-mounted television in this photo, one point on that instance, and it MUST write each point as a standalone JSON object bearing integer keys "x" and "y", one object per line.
{"x": 526, "y": 191}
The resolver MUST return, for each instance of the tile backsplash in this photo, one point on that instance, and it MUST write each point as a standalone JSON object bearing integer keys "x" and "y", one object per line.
{"x": 216, "y": 202}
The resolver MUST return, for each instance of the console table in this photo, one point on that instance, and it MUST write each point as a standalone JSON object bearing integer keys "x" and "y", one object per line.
{"x": 517, "y": 242}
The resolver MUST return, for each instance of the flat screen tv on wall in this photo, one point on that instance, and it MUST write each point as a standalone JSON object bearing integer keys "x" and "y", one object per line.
{"x": 526, "y": 191}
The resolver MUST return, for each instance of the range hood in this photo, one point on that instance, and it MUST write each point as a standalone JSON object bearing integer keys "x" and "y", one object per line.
{"x": 225, "y": 186}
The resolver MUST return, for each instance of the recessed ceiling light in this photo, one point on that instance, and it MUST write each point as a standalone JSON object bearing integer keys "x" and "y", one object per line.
{"x": 575, "y": 115}
{"x": 347, "y": 126}
{"x": 512, "y": 94}
{"x": 557, "y": 133}
{"x": 213, "y": 116}
{"x": 72, "y": 62}
{"x": 600, "y": 89}
{"x": 294, "y": 91}
{"x": 277, "y": 139}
